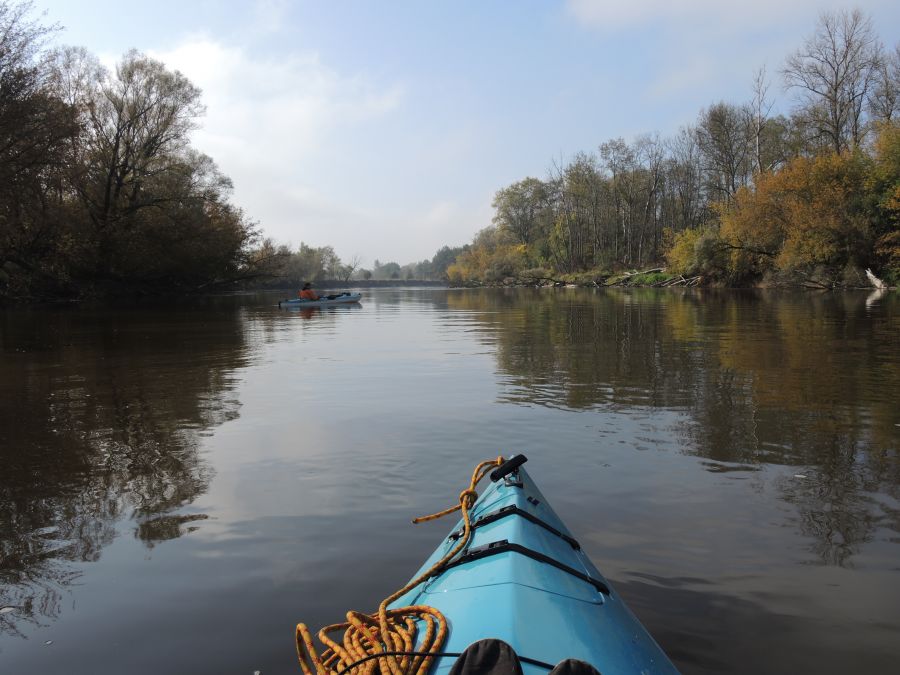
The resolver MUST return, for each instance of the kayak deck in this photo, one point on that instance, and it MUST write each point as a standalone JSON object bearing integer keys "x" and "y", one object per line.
{"x": 524, "y": 579}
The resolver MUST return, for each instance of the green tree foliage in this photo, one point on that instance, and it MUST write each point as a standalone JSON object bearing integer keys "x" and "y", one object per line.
{"x": 520, "y": 209}
{"x": 444, "y": 257}
{"x": 388, "y": 270}
{"x": 307, "y": 263}
{"x": 425, "y": 270}
{"x": 593, "y": 213}
{"x": 286, "y": 268}
{"x": 99, "y": 186}
{"x": 34, "y": 131}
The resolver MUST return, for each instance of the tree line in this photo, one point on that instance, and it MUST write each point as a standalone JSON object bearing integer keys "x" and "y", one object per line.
{"x": 99, "y": 185}
{"x": 285, "y": 267}
{"x": 740, "y": 195}
{"x": 101, "y": 191}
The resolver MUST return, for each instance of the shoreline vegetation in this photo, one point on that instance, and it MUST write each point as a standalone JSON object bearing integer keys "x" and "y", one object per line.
{"x": 660, "y": 277}
{"x": 101, "y": 192}
{"x": 102, "y": 195}
{"x": 740, "y": 198}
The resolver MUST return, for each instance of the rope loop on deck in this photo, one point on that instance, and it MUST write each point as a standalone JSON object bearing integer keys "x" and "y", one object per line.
{"x": 391, "y": 630}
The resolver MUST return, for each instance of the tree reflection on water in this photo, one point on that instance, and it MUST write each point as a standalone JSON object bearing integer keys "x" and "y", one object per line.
{"x": 101, "y": 420}
{"x": 795, "y": 380}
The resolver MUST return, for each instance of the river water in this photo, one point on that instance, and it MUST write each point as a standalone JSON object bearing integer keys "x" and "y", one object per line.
{"x": 180, "y": 485}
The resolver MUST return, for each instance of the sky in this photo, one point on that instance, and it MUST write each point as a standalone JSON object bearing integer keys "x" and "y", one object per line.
{"x": 384, "y": 129}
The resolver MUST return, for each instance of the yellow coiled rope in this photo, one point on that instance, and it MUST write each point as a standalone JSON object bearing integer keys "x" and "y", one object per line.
{"x": 391, "y": 630}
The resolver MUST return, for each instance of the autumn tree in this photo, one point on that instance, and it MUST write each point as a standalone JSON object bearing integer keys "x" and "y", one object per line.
{"x": 493, "y": 257}
{"x": 884, "y": 187}
{"x": 809, "y": 218}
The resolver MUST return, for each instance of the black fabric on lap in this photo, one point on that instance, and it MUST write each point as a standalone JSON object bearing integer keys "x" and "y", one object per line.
{"x": 574, "y": 667}
{"x": 487, "y": 657}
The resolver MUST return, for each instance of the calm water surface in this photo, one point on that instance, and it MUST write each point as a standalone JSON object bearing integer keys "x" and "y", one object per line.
{"x": 179, "y": 486}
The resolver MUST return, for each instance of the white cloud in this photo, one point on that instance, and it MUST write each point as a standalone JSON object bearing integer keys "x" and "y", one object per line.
{"x": 274, "y": 109}
{"x": 287, "y": 130}
{"x": 273, "y": 123}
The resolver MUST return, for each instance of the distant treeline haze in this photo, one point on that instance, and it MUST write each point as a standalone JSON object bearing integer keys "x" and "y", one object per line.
{"x": 740, "y": 196}
{"x": 308, "y": 263}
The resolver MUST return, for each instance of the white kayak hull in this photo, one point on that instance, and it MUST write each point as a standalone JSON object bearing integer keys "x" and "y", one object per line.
{"x": 342, "y": 299}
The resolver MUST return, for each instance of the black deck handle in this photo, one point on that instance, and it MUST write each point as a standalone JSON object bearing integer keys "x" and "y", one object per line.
{"x": 508, "y": 467}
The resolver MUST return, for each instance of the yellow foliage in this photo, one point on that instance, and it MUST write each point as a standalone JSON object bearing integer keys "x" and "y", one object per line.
{"x": 884, "y": 180}
{"x": 455, "y": 273}
{"x": 680, "y": 255}
{"x": 884, "y": 184}
{"x": 696, "y": 251}
{"x": 493, "y": 256}
{"x": 808, "y": 214}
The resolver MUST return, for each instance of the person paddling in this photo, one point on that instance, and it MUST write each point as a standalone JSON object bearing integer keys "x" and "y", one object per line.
{"x": 308, "y": 293}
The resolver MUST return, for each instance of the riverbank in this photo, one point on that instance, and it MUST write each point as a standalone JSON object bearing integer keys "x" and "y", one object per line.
{"x": 659, "y": 277}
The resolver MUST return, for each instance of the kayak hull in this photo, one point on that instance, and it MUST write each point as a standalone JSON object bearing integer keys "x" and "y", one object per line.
{"x": 344, "y": 299}
{"x": 540, "y": 593}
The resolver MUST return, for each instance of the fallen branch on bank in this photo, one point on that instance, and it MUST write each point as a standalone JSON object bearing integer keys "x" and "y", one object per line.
{"x": 680, "y": 280}
{"x": 623, "y": 280}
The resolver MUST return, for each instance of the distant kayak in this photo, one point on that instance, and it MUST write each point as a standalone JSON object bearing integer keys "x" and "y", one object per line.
{"x": 324, "y": 301}
{"x": 516, "y": 575}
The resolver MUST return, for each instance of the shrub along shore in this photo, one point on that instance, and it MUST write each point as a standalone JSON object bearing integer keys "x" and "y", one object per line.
{"x": 814, "y": 221}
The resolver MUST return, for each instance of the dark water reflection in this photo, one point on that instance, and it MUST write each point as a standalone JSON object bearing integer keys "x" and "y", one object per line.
{"x": 180, "y": 484}
{"x": 808, "y": 380}
{"x": 101, "y": 420}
